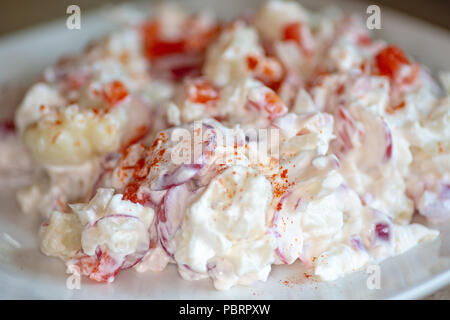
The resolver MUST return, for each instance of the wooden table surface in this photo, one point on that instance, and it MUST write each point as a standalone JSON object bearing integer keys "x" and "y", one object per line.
{"x": 20, "y": 14}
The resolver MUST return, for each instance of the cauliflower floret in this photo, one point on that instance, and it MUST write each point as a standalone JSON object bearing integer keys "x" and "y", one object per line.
{"x": 105, "y": 203}
{"x": 106, "y": 221}
{"x": 61, "y": 235}
{"x": 73, "y": 136}
{"x": 38, "y": 101}
{"x": 121, "y": 234}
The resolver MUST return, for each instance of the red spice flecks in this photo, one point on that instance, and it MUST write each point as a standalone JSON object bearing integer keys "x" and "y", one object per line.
{"x": 280, "y": 187}
{"x": 279, "y": 206}
{"x": 284, "y": 174}
{"x": 131, "y": 193}
{"x": 149, "y": 160}
{"x": 440, "y": 148}
{"x": 140, "y": 169}
{"x": 114, "y": 92}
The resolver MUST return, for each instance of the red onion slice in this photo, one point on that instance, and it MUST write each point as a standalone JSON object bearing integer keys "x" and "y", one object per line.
{"x": 170, "y": 216}
{"x": 179, "y": 176}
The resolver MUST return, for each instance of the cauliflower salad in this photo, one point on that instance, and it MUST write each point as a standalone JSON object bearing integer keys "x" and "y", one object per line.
{"x": 225, "y": 147}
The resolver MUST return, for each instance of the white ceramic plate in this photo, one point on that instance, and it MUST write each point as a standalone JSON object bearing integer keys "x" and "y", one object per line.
{"x": 26, "y": 273}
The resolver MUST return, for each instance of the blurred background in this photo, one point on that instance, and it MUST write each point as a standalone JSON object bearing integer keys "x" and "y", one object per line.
{"x": 19, "y": 14}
